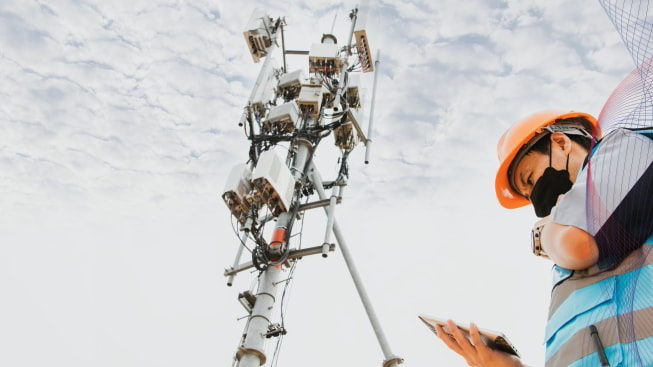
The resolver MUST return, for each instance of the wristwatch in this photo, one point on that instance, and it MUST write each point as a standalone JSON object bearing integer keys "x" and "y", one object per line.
{"x": 536, "y": 243}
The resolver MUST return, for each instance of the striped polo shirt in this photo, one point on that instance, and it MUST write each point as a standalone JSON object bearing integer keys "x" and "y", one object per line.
{"x": 612, "y": 199}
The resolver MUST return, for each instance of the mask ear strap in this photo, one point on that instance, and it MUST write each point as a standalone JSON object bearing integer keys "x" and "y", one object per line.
{"x": 550, "y": 149}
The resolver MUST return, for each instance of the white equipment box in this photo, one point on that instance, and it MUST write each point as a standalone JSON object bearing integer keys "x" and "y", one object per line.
{"x": 236, "y": 190}
{"x": 290, "y": 84}
{"x": 282, "y": 119}
{"x": 274, "y": 183}
{"x": 292, "y": 79}
{"x": 257, "y": 34}
{"x": 323, "y": 58}
{"x": 310, "y": 99}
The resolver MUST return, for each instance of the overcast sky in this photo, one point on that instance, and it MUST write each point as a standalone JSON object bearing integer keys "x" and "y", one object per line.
{"x": 118, "y": 126}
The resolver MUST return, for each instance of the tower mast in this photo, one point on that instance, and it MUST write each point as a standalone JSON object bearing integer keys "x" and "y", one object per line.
{"x": 291, "y": 108}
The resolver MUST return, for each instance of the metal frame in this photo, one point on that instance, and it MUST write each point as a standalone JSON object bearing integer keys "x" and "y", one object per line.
{"x": 390, "y": 359}
{"x": 251, "y": 351}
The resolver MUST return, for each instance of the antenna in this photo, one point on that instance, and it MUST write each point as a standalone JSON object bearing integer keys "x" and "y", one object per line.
{"x": 334, "y": 22}
{"x": 296, "y": 110}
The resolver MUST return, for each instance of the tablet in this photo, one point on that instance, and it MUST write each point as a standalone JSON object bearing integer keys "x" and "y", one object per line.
{"x": 492, "y": 339}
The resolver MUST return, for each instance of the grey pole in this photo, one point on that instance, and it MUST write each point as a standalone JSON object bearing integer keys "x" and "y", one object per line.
{"x": 239, "y": 253}
{"x": 336, "y": 102}
{"x": 390, "y": 359}
{"x": 261, "y": 73}
{"x": 283, "y": 50}
{"x": 330, "y": 216}
{"x": 368, "y": 144}
{"x": 252, "y": 352}
{"x": 351, "y": 31}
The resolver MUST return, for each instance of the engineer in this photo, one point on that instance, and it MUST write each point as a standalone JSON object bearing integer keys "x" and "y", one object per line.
{"x": 596, "y": 205}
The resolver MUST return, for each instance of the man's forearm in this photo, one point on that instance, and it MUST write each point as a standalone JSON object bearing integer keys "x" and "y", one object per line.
{"x": 569, "y": 246}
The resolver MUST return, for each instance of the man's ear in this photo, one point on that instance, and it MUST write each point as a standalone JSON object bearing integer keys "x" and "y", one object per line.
{"x": 561, "y": 140}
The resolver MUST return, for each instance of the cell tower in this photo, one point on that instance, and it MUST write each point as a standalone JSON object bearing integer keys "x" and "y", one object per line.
{"x": 297, "y": 110}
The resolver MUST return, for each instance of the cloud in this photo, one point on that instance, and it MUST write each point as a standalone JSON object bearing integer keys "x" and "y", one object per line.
{"x": 133, "y": 94}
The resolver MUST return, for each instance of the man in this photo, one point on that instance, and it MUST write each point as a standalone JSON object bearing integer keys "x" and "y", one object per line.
{"x": 596, "y": 207}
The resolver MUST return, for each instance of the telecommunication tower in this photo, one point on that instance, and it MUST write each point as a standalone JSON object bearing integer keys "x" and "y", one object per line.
{"x": 296, "y": 109}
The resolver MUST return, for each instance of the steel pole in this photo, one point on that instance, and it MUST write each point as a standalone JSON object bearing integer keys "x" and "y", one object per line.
{"x": 252, "y": 352}
{"x": 261, "y": 73}
{"x": 283, "y": 50}
{"x": 341, "y": 81}
{"x": 390, "y": 359}
{"x": 239, "y": 253}
{"x": 351, "y": 30}
{"x": 330, "y": 217}
{"x": 368, "y": 144}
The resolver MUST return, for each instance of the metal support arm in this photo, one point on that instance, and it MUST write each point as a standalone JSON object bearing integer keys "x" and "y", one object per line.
{"x": 368, "y": 143}
{"x": 239, "y": 253}
{"x": 391, "y": 360}
{"x": 330, "y": 218}
{"x": 318, "y": 204}
{"x": 294, "y": 254}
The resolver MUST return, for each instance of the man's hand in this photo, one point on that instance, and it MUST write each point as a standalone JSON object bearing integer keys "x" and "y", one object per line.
{"x": 477, "y": 354}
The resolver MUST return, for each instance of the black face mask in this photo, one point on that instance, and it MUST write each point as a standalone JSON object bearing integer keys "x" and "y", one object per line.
{"x": 548, "y": 187}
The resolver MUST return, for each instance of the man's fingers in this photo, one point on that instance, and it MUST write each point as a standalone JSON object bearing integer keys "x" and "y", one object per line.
{"x": 451, "y": 343}
{"x": 462, "y": 341}
{"x": 481, "y": 348}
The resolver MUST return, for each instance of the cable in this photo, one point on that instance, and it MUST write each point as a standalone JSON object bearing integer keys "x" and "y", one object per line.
{"x": 236, "y": 233}
{"x": 292, "y": 269}
{"x": 275, "y": 356}
{"x": 298, "y": 192}
{"x": 261, "y": 229}
{"x": 261, "y": 267}
{"x": 260, "y": 253}
{"x": 295, "y": 207}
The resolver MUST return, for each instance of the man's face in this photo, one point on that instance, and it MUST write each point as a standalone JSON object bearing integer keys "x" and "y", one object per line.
{"x": 528, "y": 171}
{"x": 532, "y": 166}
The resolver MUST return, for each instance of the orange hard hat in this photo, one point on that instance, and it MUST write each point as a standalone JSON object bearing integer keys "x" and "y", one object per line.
{"x": 518, "y": 136}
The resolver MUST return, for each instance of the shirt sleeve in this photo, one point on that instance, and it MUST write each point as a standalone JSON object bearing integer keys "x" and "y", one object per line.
{"x": 612, "y": 198}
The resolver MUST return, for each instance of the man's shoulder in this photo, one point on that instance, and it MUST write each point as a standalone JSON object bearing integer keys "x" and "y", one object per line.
{"x": 621, "y": 144}
{"x": 622, "y": 135}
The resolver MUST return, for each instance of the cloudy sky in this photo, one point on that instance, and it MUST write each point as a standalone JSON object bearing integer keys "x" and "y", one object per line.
{"x": 118, "y": 126}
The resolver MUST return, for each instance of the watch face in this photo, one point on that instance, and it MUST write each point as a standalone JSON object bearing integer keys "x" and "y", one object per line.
{"x": 536, "y": 246}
